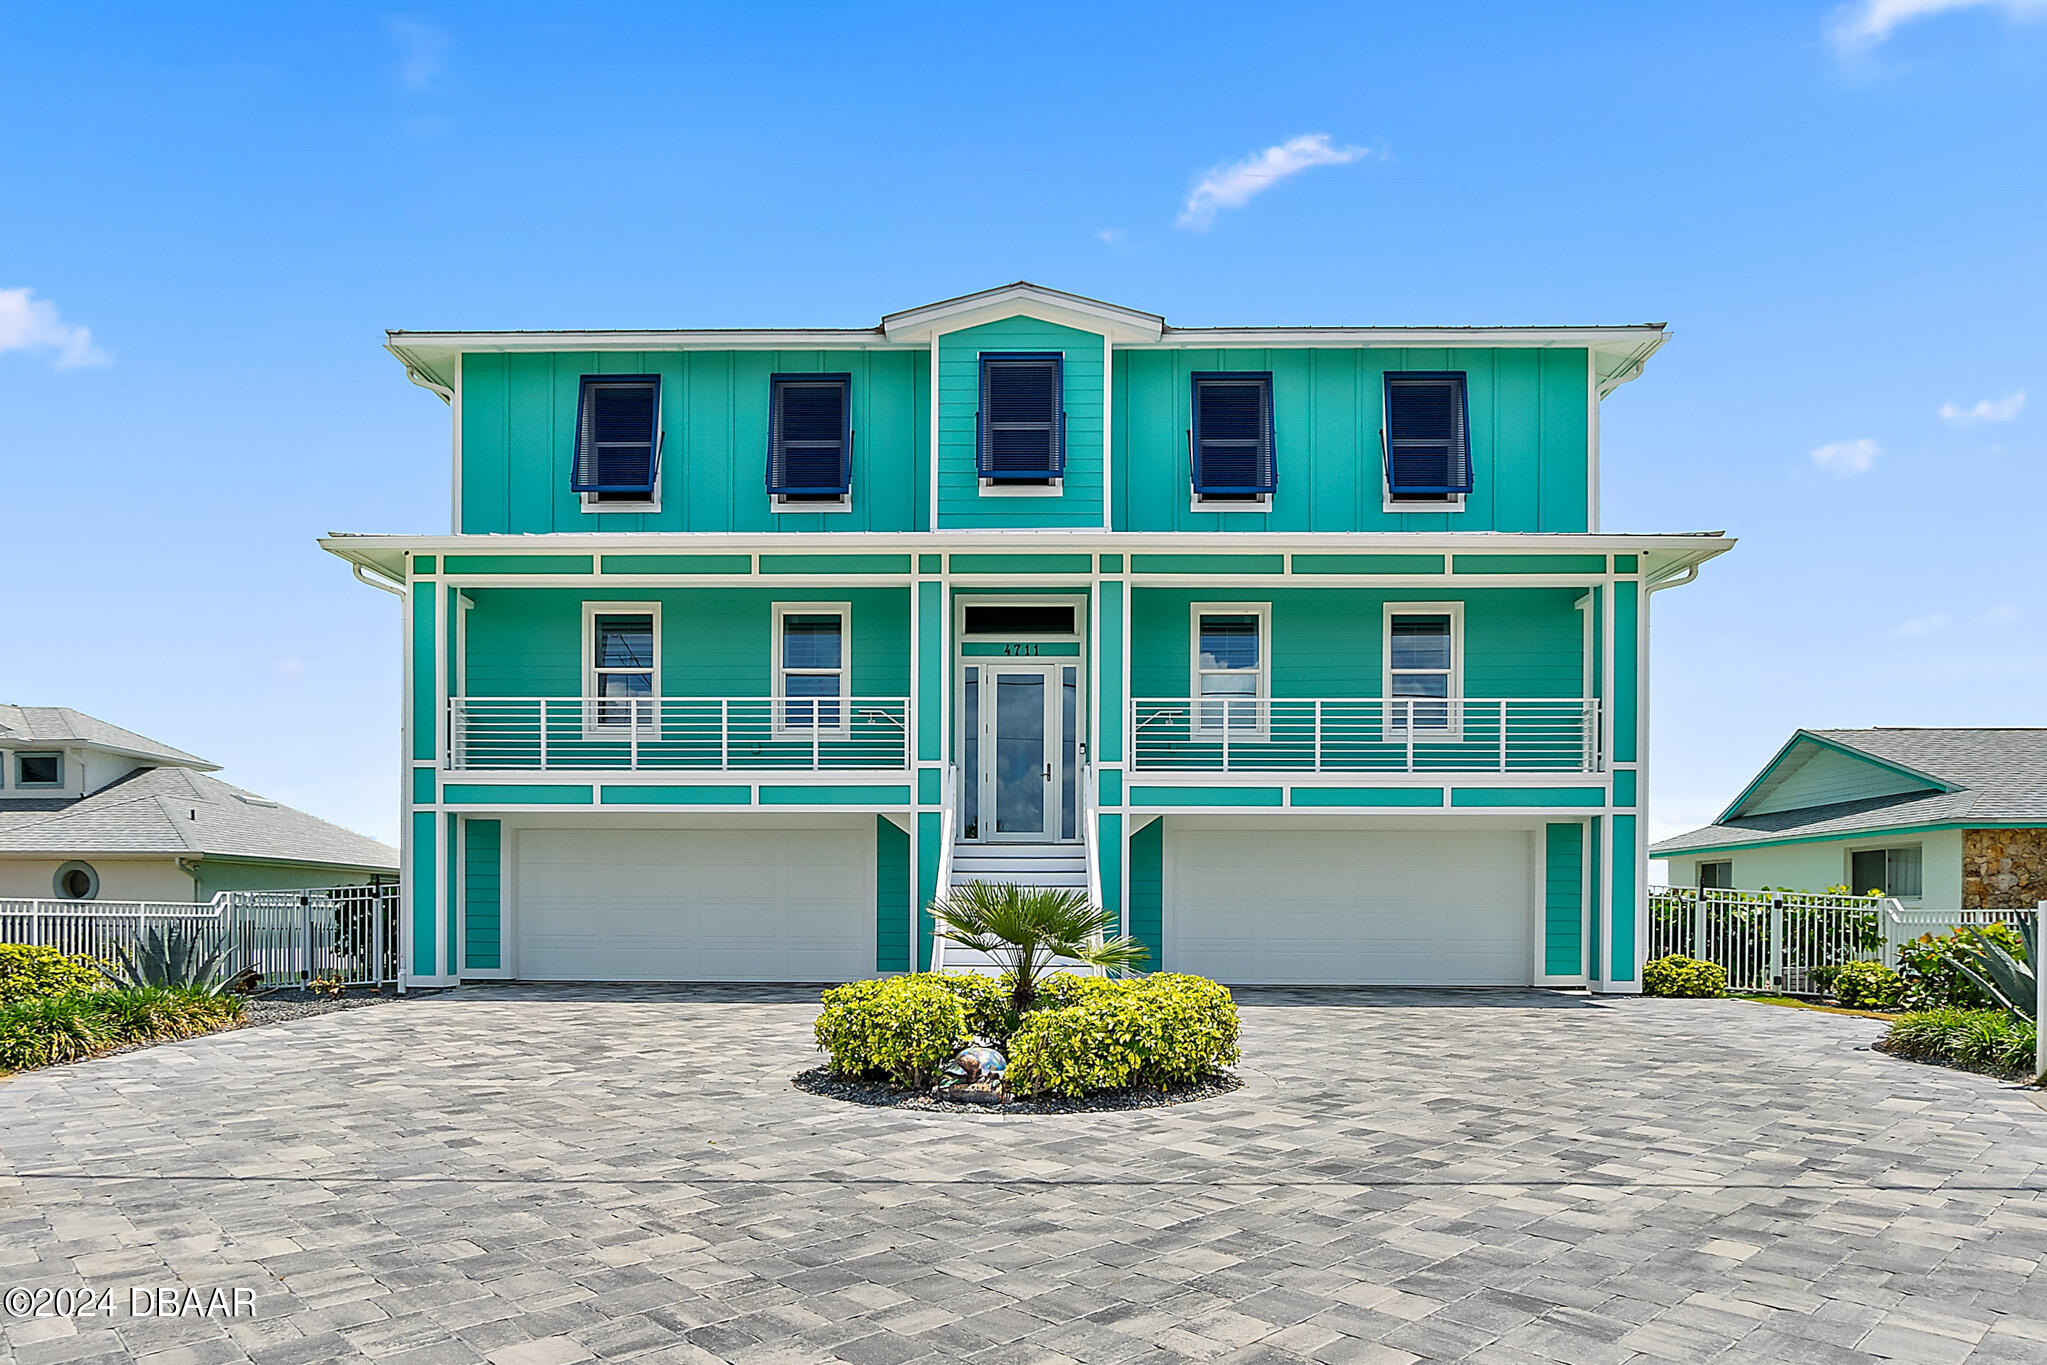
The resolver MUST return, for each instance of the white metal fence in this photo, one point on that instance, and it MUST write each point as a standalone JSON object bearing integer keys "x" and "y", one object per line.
{"x": 1364, "y": 735}
{"x": 348, "y": 933}
{"x": 1776, "y": 940}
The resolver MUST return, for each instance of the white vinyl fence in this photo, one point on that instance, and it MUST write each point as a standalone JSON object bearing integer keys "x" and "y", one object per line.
{"x": 289, "y": 937}
{"x": 1775, "y": 940}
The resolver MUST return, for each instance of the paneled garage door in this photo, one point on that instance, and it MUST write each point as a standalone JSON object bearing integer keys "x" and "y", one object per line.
{"x": 695, "y": 904}
{"x": 1278, "y": 906}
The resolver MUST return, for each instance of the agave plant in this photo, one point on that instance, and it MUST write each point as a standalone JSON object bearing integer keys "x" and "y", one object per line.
{"x": 2005, "y": 978}
{"x": 171, "y": 961}
{"x": 1027, "y": 928}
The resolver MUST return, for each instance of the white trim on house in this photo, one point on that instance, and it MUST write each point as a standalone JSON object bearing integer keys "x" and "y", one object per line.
{"x": 780, "y": 672}
{"x": 1009, "y": 488}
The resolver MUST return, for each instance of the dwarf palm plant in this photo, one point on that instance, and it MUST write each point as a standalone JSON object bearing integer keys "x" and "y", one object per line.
{"x": 1028, "y": 928}
{"x": 170, "y": 961}
{"x": 2003, "y": 976}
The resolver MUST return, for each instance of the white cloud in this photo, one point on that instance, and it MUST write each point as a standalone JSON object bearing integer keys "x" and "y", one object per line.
{"x": 28, "y": 323}
{"x": 2003, "y": 615}
{"x": 1985, "y": 410}
{"x": 1847, "y": 458}
{"x": 421, "y": 47}
{"x": 1112, "y": 236}
{"x": 1864, "y": 24}
{"x": 1234, "y": 185}
{"x": 1921, "y": 625}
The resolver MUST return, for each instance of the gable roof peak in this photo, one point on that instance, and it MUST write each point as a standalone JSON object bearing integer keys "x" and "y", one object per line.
{"x": 1022, "y": 296}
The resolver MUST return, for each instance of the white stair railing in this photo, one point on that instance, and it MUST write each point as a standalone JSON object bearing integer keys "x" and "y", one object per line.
{"x": 948, "y": 821}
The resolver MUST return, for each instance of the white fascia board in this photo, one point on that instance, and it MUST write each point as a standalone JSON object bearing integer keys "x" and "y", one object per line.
{"x": 431, "y": 356}
{"x": 1619, "y": 352}
{"x": 1122, "y": 325}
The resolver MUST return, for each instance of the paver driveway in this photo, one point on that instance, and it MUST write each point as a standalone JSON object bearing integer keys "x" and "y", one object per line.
{"x": 537, "y": 1175}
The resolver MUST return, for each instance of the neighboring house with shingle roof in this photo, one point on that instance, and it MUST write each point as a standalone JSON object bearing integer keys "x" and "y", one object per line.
{"x": 1946, "y": 818}
{"x": 90, "y": 811}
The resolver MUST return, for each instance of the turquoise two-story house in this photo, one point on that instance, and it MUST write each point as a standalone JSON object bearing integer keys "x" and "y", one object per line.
{"x": 1299, "y": 647}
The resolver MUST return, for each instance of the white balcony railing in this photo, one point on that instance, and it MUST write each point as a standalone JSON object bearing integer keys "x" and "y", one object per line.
{"x": 699, "y": 734}
{"x": 1367, "y": 735}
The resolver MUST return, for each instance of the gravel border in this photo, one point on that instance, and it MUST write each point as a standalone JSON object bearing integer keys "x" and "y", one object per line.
{"x": 284, "y": 1006}
{"x": 820, "y": 1081}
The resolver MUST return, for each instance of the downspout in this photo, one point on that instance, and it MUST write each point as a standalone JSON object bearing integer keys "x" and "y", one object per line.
{"x": 190, "y": 867}
{"x": 1691, "y": 571}
{"x": 377, "y": 580}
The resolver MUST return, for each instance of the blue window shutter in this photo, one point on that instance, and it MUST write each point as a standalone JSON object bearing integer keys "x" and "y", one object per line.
{"x": 810, "y": 434}
{"x": 618, "y": 434}
{"x": 1231, "y": 445}
{"x": 1021, "y": 433}
{"x": 1428, "y": 434}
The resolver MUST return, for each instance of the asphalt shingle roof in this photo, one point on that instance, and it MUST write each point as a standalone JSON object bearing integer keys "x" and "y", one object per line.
{"x": 1999, "y": 776}
{"x": 181, "y": 812}
{"x": 21, "y": 725}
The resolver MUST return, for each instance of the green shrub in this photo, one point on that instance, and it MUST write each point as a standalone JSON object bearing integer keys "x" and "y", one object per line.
{"x": 991, "y": 1013}
{"x": 1095, "y": 1033}
{"x": 1986, "y": 1039}
{"x": 28, "y": 969}
{"x": 1931, "y": 965}
{"x": 1678, "y": 975}
{"x": 1866, "y": 986}
{"x": 44, "y": 1030}
{"x": 903, "y": 1027}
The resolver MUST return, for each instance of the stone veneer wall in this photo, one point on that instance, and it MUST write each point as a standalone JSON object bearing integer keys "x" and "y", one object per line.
{"x": 2003, "y": 869}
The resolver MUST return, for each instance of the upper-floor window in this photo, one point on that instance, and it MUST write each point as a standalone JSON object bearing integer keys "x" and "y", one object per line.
{"x": 1889, "y": 871}
{"x": 1230, "y": 443}
{"x": 1230, "y": 674}
{"x": 810, "y": 441}
{"x": 622, "y": 664}
{"x": 810, "y": 668}
{"x": 1021, "y": 429}
{"x": 1428, "y": 440}
{"x": 618, "y": 441}
{"x": 1424, "y": 664}
{"x": 39, "y": 770}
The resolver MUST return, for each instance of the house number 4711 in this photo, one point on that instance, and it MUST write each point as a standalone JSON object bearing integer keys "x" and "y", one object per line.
{"x": 1027, "y": 651}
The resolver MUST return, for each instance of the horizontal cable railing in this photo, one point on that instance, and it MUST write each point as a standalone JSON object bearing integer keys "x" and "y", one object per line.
{"x": 747, "y": 734}
{"x": 1367, "y": 735}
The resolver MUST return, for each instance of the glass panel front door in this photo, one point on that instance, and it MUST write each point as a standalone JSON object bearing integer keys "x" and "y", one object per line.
{"x": 1023, "y": 759}
{"x": 1020, "y": 752}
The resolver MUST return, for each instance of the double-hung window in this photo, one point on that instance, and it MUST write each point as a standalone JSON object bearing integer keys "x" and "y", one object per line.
{"x": 1428, "y": 440}
{"x": 811, "y": 650}
{"x": 1891, "y": 871}
{"x": 810, "y": 441}
{"x": 1230, "y": 444}
{"x": 622, "y": 665}
{"x": 618, "y": 442}
{"x": 1231, "y": 674}
{"x": 1021, "y": 426}
{"x": 1424, "y": 661}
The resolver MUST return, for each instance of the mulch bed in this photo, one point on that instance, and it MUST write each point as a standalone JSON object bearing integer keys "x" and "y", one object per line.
{"x": 886, "y": 1095}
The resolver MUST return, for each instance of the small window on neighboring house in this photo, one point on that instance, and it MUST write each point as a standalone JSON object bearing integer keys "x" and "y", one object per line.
{"x": 618, "y": 440}
{"x": 1021, "y": 428}
{"x": 76, "y": 882}
{"x": 810, "y": 669}
{"x": 1428, "y": 439}
{"x": 1716, "y": 876}
{"x": 624, "y": 668}
{"x": 1422, "y": 666}
{"x": 1230, "y": 673}
{"x": 1890, "y": 871}
{"x": 1230, "y": 443}
{"x": 39, "y": 770}
{"x": 810, "y": 441}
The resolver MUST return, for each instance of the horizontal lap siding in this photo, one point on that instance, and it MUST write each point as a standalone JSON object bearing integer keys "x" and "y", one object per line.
{"x": 1329, "y": 642}
{"x": 1563, "y": 899}
{"x": 960, "y": 502}
{"x": 1529, "y": 443}
{"x": 481, "y": 895}
{"x": 1147, "y": 891}
{"x": 518, "y": 439}
{"x": 715, "y": 642}
{"x": 891, "y": 897}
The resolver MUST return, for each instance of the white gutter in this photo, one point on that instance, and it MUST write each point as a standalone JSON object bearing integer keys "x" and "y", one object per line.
{"x": 375, "y": 579}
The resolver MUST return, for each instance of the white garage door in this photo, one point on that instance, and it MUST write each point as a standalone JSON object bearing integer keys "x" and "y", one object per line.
{"x": 695, "y": 904}
{"x": 1276, "y": 906}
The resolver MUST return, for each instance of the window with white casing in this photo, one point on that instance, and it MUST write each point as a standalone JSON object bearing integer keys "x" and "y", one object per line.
{"x": 1424, "y": 669}
{"x": 1231, "y": 672}
{"x": 1716, "y": 876}
{"x": 812, "y": 646}
{"x": 622, "y": 665}
{"x": 1893, "y": 871}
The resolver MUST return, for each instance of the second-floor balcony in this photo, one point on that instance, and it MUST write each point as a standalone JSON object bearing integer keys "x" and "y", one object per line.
{"x": 1364, "y": 735}
{"x": 682, "y": 734}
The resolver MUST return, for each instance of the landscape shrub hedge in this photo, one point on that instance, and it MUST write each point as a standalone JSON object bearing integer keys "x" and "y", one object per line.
{"x": 1098, "y": 1033}
{"x": 1681, "y": 976}
{"x": 42, "y": 1030}
{"x": 991, "y": 1014}
{"x": 904, "y": 1028}
{"x": 28, "y": 969}
{"x": 1867, "y": 986}
{"x": 1928, "y": 965}
{"x": 1986, "y": 1040}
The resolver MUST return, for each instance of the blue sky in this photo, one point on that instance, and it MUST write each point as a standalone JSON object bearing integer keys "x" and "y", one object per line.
{"x": 211, "y": 213}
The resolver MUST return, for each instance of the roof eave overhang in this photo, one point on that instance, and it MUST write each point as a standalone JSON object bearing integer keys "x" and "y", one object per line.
{"x": 1734, "y": 808}
{"x": 1123, "y": 326}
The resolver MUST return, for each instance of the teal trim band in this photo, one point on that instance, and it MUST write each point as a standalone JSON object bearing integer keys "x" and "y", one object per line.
{"x": 1025, "y": 564}
{"x": 1109, "y": 785}
{"x": 678, "y": 564}
{"x": 1217, "y": 564}
{"x": 1312, "y": 564}
{"x": 422, "y": 564}
{"x": 1500, "y": 564}
{"x": 995, "y": 649}
{"x": 519, "y": 564}
{"x": 1206, "y": 796}
{"x": 1624, "y": 787}
{"x": 422, "y": 786}
{"x": 835, "y": 564}
{"x": 1527, "y": 796}
{"x": 1844, "y": 836}
{"x": 676, "y": 796}
{"x": 930, "y": 786}
{"x": 1625, "y": 563}
{"x": 835, "y": 796}
{"x": 1111, "y": 563}
{"x": 517, "y": 795}
{"x": 1368, "y": 796}
{"x": 930, "y": 563}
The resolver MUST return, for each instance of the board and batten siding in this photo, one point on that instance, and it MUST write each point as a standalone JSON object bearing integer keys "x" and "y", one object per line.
{"x": 1821, "y": 777}
{"x": 1330, "y": 642}
{"x": 518, "y": 440}
{"x": 960, "y": 499}
{"x": 1529, "y": 442}
{"x": 715, "y": 642}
